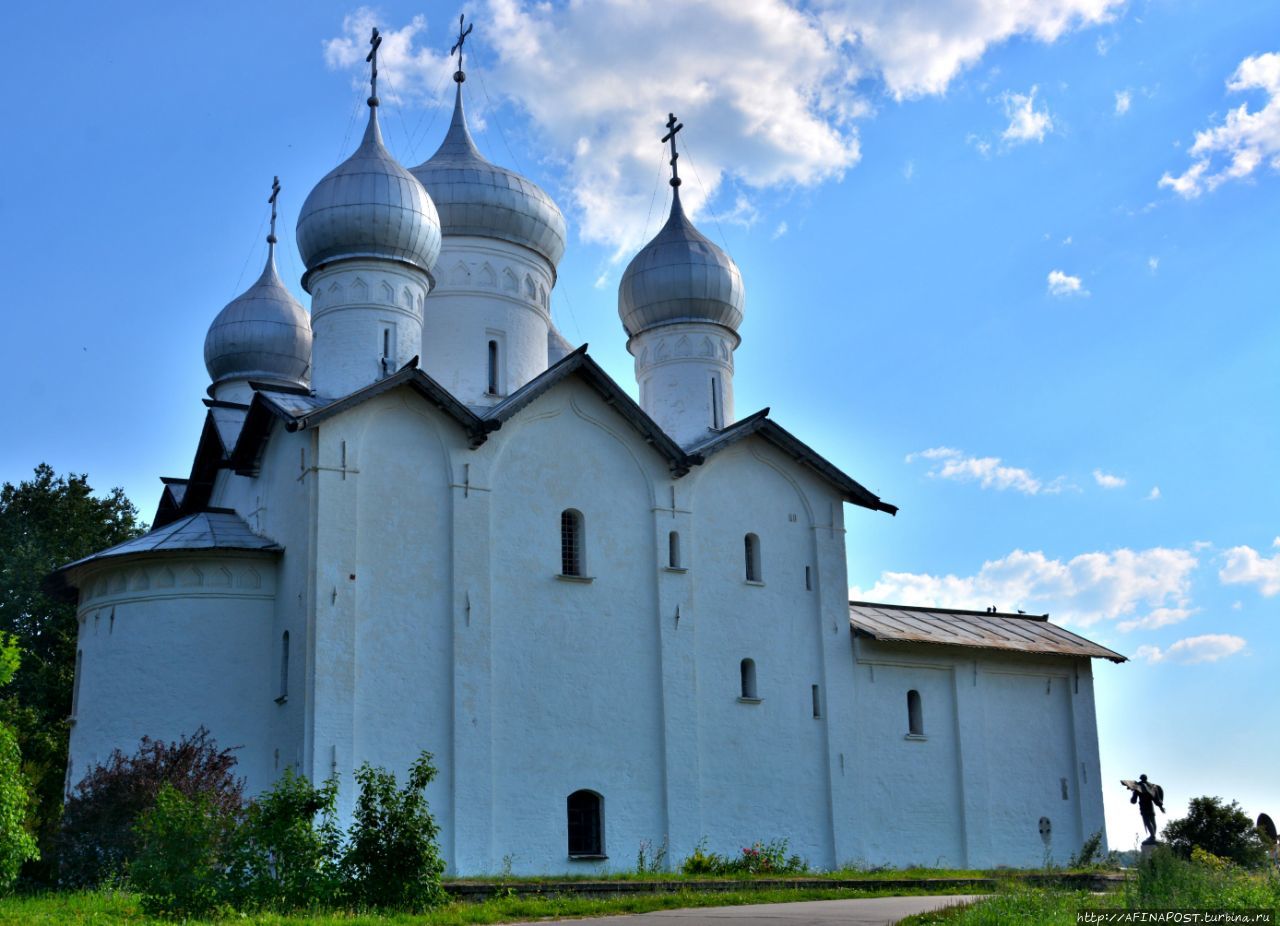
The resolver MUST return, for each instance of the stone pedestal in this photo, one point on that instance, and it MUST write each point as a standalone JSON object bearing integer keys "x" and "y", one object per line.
{"x": 1148, "y": 848}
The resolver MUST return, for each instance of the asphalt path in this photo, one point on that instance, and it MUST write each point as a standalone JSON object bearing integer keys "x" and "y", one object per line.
{"x": 861, "y": 911}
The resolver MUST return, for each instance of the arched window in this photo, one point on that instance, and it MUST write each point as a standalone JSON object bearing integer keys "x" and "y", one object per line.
{"x": 571, "y": 543}
{"x": 493, "y": 368}
{"x": 284, "y": 668}
{"x": 748, "y": 669}
{"x": 915, "y": 714}
{"x": 673, "y": 550}
{"x": 586, "y": 830}
{"x": 752, "y": 545}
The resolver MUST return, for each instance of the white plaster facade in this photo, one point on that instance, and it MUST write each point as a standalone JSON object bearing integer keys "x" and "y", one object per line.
{"x": 416, "y": 573}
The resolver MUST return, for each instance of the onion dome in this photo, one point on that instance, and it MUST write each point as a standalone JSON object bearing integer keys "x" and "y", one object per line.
{"x": 264, "y": 333}
{"x": 680, "y": 276}
{"x": 475, "y": 197}
{"x": 369, "y": 206}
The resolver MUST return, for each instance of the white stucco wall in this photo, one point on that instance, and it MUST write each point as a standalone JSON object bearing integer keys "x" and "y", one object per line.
{"x": 683, "y": 371}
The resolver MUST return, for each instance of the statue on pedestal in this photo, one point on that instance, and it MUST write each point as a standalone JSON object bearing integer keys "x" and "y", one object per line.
{"x": 1147, "y": 795}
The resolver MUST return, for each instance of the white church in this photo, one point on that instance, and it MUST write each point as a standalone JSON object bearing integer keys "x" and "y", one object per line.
{"x": 419, "y": 519}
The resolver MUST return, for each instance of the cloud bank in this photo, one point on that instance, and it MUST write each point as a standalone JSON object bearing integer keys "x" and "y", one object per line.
{"x": 988, "y": 472}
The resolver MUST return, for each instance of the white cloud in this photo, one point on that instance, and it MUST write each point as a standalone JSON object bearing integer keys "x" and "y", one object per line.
{"x": 1136, "y": 585}
{"x": 1063, "y": 284}
{"x": 989, "y": 472}
{"x": 1154, "y": 494}
{"x": 1160, "y": 617}
{"x": 981, "y": 144}
{"x": 1209, "y": 647}
{"x": 595, "y": 104}
{"x": 908, "y": 170}
{"x": 1107, "y": 481}
{"x": 1153, "y": 264}
{"x": 781, "y": 230}
{"x": 1124, "y": 99}
{"x": 1244, "y": 140}
{"x": 1246, "y": 566}
{"x": 1026, "y": 123}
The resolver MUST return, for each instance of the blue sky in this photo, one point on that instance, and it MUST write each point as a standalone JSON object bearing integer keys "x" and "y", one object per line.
{"x": 1014, "y": 270}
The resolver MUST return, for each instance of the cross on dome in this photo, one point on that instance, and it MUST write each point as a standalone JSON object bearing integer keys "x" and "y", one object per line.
{"x": 372, "y": 58}
{"x": 672, "y": 129}
{"x": 275, "y": 191}
{"x": 458, "y": 75}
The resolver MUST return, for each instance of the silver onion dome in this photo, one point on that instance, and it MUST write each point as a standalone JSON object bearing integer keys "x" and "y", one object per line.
{"x": 475, "y": 197}
{"x": 369, "y": 206}
{"x": 263, "y": 334}
{"x": 680, "y": 276}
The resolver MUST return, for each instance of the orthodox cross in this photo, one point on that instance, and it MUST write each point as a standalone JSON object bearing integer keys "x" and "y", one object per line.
{"x": 457, "y": 47}
{"x": 275, "y": 191}
{"x": 374, "y": 40}
{"x": 672, "y": 128}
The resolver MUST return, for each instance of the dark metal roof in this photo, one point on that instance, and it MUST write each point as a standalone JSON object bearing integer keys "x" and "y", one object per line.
{"x": 760, "y": 424}
{"x": 212, "y": 529}
{"x": 1024, "y": 633}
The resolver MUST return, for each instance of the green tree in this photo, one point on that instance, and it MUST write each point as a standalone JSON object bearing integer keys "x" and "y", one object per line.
{"x": 392, "y": 859}
{"x": 181, "y": 866}
{"x": 16, "y": 844}
{"x": 1218, "y": 827}
{"x": 44, "y": 523}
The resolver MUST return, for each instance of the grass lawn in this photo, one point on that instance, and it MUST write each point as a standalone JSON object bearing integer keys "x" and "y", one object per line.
{"x": 111, "y": 908}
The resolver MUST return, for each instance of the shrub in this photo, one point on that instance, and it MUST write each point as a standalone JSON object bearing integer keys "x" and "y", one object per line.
{"x": 1090, "y": 852}
{"x": 1219, "y": 828}
{"x": 17, "y": 845}
{"x": 392, "y": 859}
{"x": 98, "y": 838}
{"x": 180, "y": 866}
{"x": 281, "y": 857}
{"x": 758, "y": 858}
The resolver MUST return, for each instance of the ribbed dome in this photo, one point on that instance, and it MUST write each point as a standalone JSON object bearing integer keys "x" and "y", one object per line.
{"x": 680, "y": 276}
{"x": 262, "y": 334}
{"x": 475, "y": 197}
{"x": 369, "y": 206}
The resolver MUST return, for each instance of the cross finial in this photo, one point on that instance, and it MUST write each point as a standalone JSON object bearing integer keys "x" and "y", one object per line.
{"x": 672, "y": 128}
{"x": 374, "y": 41}
{"x": 458, "y": 75}
{"x": 275, "y": 191}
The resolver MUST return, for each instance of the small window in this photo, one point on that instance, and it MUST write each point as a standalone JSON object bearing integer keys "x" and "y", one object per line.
{"x": 808, "y": 578}
{"x": 586, "y": 834}
{"x": 571, "y": 543}
{"x": 817, "y": 702}
{"x": 717, "y": 409}
{"x": 75, "y": 687}
{"x": 387, "y": 362}
{"x": 493, "y": 368}
{"x": 915, "y": 714}
{"x": 748, "y": 670}
{"x": 673, "y": 550}
{"x": 284, "y": 669}
{"x": 752, "y": 547}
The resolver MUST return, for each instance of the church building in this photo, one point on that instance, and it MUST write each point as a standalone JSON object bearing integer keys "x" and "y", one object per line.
{"x": 419, "y": 519}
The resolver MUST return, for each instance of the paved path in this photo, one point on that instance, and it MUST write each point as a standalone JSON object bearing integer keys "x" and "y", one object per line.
{"x": 861, "y": 911}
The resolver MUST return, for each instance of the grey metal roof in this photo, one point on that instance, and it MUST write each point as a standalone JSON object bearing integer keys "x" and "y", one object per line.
{"x": 1024, "y": 633}
{"x": 264, "y": 333}
{"x": 475, "y": 197}
{"x": 212, "y": 529}
{"x": 368, "y": 206}
{"x": 680, "y": 276}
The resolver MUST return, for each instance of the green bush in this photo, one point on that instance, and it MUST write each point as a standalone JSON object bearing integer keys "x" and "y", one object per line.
{"x": 180, "y": 868}
{"x": 281, "y": 857}
{"x": 392, "y": 860}
{"x": 17, "y": 845}
{"x": 758, "y": 858}
{"x": 1217, "y": 827}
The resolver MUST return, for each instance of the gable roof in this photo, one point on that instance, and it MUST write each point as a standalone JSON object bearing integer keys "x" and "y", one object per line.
{"x": 761, "y": 425}
{"x": 1023, "y": 633}
{"x": 211, "y": 529}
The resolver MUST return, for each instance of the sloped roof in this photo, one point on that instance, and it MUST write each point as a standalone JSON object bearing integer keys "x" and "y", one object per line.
{"x": 1024, "y": 633}
{"x": 212, "y": 529}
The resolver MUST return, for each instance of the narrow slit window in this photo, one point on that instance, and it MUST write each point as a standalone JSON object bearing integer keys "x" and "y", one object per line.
{"x": 817, "y": 701}
{"x": 571, "y": 546}
{"x": 673, "y": 550}
{"x": 586, "y": 832}
{"x": 717, "y": 412}
{"x": 75, "y": 687}
{"x": 386, "y": 352}
{"x": 915, "y": 714}
{"x": 493, "y": 368}
{"x": 284, "y": 668}
{"x": 751, "y": 547}
{"x": 808, "y": 578}
{"x": 748, "y": 672}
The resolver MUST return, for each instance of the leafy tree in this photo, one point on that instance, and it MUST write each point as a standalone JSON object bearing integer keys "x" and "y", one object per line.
{"x": 182, "y": 844}
{"x": 16, "y": 844}
{"x": 45, "y": 523}
{"x": 392, "y": 859}
{"x": 1223, "y": 829}
{"x": 98, "y": 837}
{"x": 282, "y": 858}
